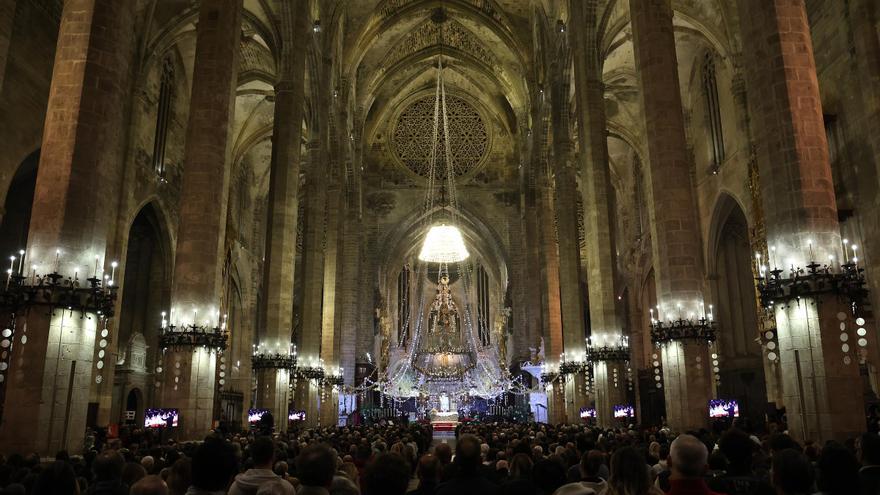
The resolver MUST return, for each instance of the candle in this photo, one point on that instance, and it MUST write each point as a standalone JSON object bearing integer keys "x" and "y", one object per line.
{"x": 855, "y": 249}
{"x": 57, "y": 256}
{"x": 11, "y": 265}
{"x": 845, "y": 249}
{"x": 9, "y": 277}
{"x": 75, "y": 272}
{"x": 113, "y": 270}
{"x": 21, "y": 262}
{"x": 773, "y": 256}
{"x": 810, "y": 245}
{"x": 97, "y": 258}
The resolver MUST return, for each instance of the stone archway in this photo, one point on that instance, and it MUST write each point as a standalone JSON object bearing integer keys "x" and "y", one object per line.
{"x": 730, "y": 268}
{"x": 16, "y": 214}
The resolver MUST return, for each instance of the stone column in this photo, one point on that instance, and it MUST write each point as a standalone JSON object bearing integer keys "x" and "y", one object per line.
{"x": 281, "y": 233}
{"x": 565, "y": 181}
{"x": 675, "y": 232}
{"x": 596, "y": 194}
{"x": 329, "y": 330}
{"x": 553, "y": 338}
{"x": 800, "y": 209}
{"x": 50, "y": 372}
{"x": 314, "y": 244}
{"x": 198, "y": 264}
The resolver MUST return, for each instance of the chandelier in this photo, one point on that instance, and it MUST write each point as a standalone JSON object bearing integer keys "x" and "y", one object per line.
{"x": 444, "y": 244}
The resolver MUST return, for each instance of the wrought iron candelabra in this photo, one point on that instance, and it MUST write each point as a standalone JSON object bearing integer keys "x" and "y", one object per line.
{"x": 192, "y": 335}
{"x": 664, "y": 332}
{"x": 778, "y": 286}
{"x": 54, "y": 290}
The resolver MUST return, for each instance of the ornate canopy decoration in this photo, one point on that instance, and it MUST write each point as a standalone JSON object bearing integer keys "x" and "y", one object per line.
{"x": 412, "y": 138}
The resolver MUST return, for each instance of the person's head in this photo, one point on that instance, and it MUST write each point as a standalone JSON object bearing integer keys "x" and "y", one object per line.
{"x": 521, "y": 467}
{"x": 213, "y": 465}
{"x": 591, "y": 463}
{"x": 108, "y": 466}
{"x": 688, "y": 457}
{"x": 502, "y": 466}
{"x": 341, "y": 485}
{"x": 316, "y": 465}
{"x": 837, "y": 470}
{"x": 179, "y": 476}
{"x": 149, "y": 485}
{"x": 149, "y": 463}
{"x": 738, "y": 448}
{"x": 263, "y": 452}
{"x": 869, "y": 449}
{"x": 132, "y": 472}
{"x": 781, "y": 441}
{"x": 444, "y": 453}
{"x": 628, "y": 472}
{"x": 56, "y": 479}
{"x": 548, "y": 475}
{"x": 792, "y": 473}
{"x": 467, "y": 454}
{"x": 429, "y": 468}
{"x": 388, "y": 474}
{"x": 280, "y": 468}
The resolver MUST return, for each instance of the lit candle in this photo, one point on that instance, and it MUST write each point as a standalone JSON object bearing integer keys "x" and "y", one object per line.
{"x": 113, "y": 271}
{"x": 810, "y": 245}
{"x": 163, "y": 320}
{"x": 21, "y": 262}
{"x": 57, "y": 257}
{"x": 11, "y": 265}
{"x": 9, "y": 277}
{"x": 97, "y": 258}
{"x": 75, "y": 272}
{"x": 845, "y": 249}
{"x": 855, "y": 249}
{"x": 773, "y": 256}
{"x": 195, "y": 314}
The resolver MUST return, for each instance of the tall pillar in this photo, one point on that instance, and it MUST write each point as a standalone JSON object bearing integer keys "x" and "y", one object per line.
{"x": 281, "y": 234}
{"x": 801, "y": 217}
{"x": 307, "y": 394}
{"x": 568, "y": 242}
{"x": 189, "y": 383}
{"x": 329, "y": 326}
{"x": 675, "y": 230}
{"x": 596, "y": 194}
{"x": 51, "y": 371}
{"x": 552, "y": 331}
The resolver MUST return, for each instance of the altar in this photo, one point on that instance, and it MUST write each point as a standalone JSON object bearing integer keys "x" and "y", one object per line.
{"x": 443, "y": 416}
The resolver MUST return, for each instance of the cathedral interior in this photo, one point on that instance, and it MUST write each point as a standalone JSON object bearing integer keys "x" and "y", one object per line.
{"x": 336, "y": 211}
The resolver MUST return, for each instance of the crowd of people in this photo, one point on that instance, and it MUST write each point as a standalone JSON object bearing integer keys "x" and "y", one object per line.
{"x": 486, "y": 459}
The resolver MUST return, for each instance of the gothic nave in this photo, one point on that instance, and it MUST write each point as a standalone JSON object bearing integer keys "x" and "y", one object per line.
{"x": 228, "y": 213}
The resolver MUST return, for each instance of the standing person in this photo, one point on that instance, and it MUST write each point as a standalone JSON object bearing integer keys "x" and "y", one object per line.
{"x": 688, "y": 464}
{"x": 263, "y": 457}
{"x": 837, "y": 470}
{"x": 629, "y": 474}
{"x": 429, "y": 475}
{"x": 869, "y": 455}
{"x": 213, "y": 467}
{"x": 469, "y": 478}
{"x": 792, "y": 473}
{"x": 739, "y": 478}
{"x": 315, "y": 468}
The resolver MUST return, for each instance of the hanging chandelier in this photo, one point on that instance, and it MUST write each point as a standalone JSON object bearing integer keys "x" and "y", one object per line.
{"x": 444, "y": 244}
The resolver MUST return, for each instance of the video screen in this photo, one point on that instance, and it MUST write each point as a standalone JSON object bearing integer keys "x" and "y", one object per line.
{"x": 255, "y": 415}
{"x": 624, "y": 411}
{"x": 161, "y": 418}
{"x": 588, "y": 413}
{"x": 723, "y": 408}
{"x": 296, "y": 416}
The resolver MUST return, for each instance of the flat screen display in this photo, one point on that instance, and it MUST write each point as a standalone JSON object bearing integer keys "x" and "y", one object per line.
{"x": 723, "y": 408}
{"x": 624, "y": 411}
{"x": 255, "y": 415}
{"x": 296, "y": 416}
{"x": 588, "y": 413}
{"x": 161, "y": 418}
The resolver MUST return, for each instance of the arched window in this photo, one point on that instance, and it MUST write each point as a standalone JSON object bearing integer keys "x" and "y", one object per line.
{"x": 403, "y": 313}
{"x": 163, "y": 116}
{"x": 483, "y": 327}
{"x": 713, "y": 110}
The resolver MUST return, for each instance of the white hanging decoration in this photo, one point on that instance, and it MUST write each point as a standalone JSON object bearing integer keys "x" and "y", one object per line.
{"x": 444, "y": 244}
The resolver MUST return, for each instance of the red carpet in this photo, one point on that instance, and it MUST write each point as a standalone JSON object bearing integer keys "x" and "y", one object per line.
{"x": 444, "y": 425}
